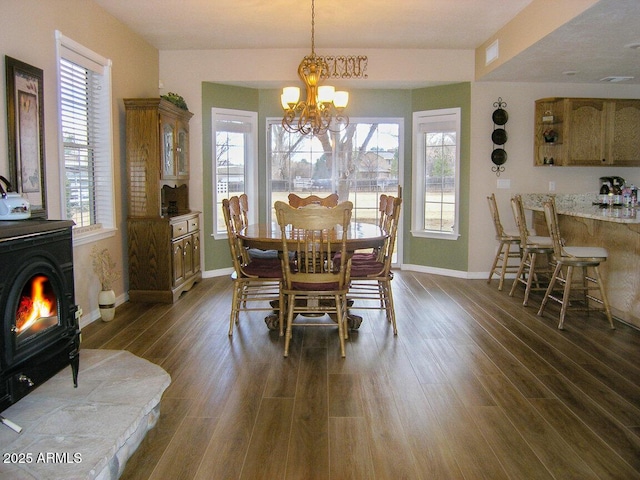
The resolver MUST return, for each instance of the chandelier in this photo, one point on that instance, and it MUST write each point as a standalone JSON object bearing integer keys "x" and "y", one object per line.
{"x": 323, "y": 108}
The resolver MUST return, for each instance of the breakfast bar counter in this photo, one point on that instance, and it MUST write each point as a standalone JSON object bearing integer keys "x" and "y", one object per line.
{"x": 615, "y": 228}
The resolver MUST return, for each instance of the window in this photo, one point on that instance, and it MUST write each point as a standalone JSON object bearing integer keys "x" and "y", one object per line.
{"x": 84, "y": 95}
{"x": 235, "y": 163}
{"x": 436, "y": 169}
{"x": 359, "y": 163}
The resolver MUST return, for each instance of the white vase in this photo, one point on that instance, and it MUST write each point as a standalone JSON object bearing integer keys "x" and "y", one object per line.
{"x": 107, "y": 305}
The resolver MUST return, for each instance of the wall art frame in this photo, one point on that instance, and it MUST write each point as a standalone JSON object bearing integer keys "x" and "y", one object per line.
{"x": 25, "y": 125}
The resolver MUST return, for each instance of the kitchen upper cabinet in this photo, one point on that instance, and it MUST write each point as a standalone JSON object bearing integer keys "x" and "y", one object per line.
{"x": 587, "y": 132}
{"x": 625, "y": 147}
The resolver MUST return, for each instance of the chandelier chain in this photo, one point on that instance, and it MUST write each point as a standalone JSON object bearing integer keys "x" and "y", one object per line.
{"x": 313, "y": 28}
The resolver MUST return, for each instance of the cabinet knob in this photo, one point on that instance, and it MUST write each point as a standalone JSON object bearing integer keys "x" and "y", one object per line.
{"x": 604, "y": 160}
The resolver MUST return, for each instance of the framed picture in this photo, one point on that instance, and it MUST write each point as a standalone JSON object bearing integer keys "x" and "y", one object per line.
{"x": 25, "y": 124}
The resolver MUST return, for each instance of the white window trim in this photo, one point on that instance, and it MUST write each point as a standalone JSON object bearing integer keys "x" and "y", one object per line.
{"x": 250, "y": 167}
{"x": 418, "y": 172}
{"x": 401, "y": 143}
{"x": 91, "y": 233}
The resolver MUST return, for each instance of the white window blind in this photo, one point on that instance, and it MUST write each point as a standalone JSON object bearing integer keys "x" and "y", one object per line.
{"x": 86, "y": 137}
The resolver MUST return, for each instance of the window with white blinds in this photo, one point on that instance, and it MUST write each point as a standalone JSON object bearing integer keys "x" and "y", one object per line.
{"x": 86, "y": 137}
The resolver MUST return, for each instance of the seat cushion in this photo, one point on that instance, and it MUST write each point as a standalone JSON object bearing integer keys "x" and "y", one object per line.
{"x": 257, "y": 253}
{"x": 264, "y": 267}
{"x": 365, "y": 269}
{"x": 586, "y": 252}
{"x": 538, "y": 240}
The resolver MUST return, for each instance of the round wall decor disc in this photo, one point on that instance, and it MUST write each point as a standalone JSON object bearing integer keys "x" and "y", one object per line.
{"x": 500, "y": 116}
{"x": 499, "y": 136}
{"x": 499, "y": 156}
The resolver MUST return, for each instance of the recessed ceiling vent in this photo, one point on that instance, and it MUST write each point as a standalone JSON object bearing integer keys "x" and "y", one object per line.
{"x": 615, "y": 79}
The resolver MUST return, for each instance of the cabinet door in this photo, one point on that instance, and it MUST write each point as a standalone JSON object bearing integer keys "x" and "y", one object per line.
{"x": 188, "y": 256}
{"x": 168, "y": 132}
{"x": 196, "y": 252}
{"x": 182, "y": 151}
{"x": 586, "y": 132}
{"x": 178, "y": 261}
{"x": 625, "y": 145}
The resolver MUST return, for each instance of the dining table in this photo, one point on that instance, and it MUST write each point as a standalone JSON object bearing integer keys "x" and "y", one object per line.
{"x": 268, "y": 237}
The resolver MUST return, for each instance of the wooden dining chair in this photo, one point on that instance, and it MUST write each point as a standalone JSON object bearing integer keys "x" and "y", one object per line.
{"x": 508, "y": 247}
{"x": 531, "y": 268}
{"x": 371, "y": 276}
{"x": 313, "y": 284}
{"x": 586, "y": 259}
{"x": 244, "y": 217}
{"x": 329, "y": 201}
{"x": 244, "y": 209}
{"x": 255, "y": 280}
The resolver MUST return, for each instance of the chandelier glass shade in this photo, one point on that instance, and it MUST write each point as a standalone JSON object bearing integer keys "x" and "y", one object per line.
{"x": 323, "y": 108}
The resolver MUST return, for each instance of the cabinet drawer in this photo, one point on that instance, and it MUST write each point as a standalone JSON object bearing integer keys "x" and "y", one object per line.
{"x": 194, "y": 224}
{"x": 179, "y": 228}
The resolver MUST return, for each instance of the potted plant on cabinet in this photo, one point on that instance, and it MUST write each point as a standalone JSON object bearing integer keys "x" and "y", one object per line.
{"x": 105, "y": 268}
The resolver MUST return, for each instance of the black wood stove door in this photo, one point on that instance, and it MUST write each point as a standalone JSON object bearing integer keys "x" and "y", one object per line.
{"x": 39, "y": 335}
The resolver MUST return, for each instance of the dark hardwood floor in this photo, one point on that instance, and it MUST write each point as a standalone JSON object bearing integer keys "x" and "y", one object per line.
{"x": 474, "y": 386}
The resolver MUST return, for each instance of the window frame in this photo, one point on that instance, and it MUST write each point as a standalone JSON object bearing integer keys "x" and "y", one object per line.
{"x": 419, "y": 170}
{"x": 399, "y": 121}
{"x": 104, "y": 225}
{"x": 250, "y": 163}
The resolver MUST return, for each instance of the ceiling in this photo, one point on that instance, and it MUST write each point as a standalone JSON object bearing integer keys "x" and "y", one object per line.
{"x": 593, "y": 45}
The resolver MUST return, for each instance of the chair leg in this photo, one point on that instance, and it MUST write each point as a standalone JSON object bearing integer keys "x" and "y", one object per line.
{"x": 235, "y": 307}
{"x": 281, "y": 309}
{"x": 495, "y": 262}
{"x": 565, "y": 296}
{"x": 530, "y": 277}
{"x": 341, "y": 308}
{"x": 556, "y": 273}
{"x": 605, "y": 300}
{"x": 518, "y": 274}
{"x": 291, "y": 299}
{"x": 390, "y": 309}
{"x": 505, "y": 261}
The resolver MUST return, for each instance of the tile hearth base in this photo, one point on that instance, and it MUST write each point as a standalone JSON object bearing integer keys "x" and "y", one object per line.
{"x": 87, "y": 432}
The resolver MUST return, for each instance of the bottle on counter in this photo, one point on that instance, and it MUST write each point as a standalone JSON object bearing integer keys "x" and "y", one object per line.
{"x": 626, "y": 197}
{"x": 634, "y": 195}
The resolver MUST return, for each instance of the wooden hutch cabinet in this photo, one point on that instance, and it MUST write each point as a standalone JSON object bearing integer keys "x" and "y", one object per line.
{"x": 587, "y": 132}
{"x": 163, "y": 234}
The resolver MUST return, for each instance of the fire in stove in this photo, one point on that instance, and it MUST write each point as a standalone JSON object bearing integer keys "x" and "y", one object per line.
{"x": 37, "y": 308}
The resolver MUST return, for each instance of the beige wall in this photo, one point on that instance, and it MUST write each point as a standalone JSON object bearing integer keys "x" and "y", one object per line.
{"x": 28, "y": 28}
{"x": 523, "y": 176}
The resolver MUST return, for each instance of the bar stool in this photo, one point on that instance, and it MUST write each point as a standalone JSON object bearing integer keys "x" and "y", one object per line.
{"x": 501, "y": 263}
{"x": 572, "y": 257}
{"x": 531, "y": 246}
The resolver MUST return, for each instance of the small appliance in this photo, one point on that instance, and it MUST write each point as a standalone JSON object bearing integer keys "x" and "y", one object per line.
{"x": 13, "y": 206}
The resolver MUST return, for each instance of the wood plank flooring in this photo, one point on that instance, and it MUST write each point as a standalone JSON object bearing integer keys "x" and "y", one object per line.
{"x": 474, "y": 386}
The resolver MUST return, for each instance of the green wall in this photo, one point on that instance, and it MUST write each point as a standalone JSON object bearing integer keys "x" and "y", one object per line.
{"x": 431, "y": 252}
{"x": 362, "y": 103}
{"x": 216, "y": 252}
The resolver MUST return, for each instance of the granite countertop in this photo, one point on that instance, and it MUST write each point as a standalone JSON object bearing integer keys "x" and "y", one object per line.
{"x": 582, "y": 205}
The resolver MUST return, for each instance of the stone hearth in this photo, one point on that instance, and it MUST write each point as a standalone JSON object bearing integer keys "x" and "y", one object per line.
{"x": 87, "y": 432}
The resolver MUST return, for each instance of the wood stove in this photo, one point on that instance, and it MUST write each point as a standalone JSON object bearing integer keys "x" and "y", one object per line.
{"x": 39, "y": 330}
